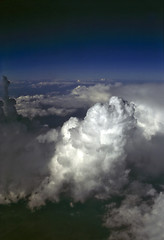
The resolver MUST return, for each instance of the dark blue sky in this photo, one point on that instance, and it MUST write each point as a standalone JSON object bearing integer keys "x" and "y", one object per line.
{"x": 121, "y": 40}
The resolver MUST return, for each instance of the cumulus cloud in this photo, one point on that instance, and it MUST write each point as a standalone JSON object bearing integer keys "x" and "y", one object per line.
{"x": 90, "y": 154}
{"x": 148, "y": 99}
{"x": 92, "y": 94}
{"x": 115, "y": 151}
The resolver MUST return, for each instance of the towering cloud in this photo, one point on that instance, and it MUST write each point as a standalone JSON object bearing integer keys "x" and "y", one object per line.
{"x": 6, "y": 84}
{"x": 89, "y": 156}
{"x": 9, "y": 103}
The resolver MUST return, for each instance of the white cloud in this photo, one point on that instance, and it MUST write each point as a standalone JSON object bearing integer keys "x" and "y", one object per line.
{"x": 116, "y": 149}
{"x": 90, "y": 154}
{"x": 92, "y": 94}
{"x": 148, "y": 99}
{"x": 62, "y": 105}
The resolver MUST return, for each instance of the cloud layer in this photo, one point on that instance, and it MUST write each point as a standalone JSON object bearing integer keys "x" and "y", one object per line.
{"x": 115, "y": 151}
{"x": 62, "y": 105}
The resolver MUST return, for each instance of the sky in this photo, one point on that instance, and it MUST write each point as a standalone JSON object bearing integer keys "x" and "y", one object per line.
{"x": 81, "y": 159}
{"x": 89, "y": 40}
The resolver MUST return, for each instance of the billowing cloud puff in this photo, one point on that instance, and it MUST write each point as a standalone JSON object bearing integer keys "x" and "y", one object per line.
{"x": 92, "y": 94}
{"x": 95, "y": 143}
{"x": 148, "y": 99}
{"x": 90, "y": 154}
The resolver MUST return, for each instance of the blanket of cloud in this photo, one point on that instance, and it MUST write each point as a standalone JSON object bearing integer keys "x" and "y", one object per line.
{"x": 62, "y": 104}
{"x": 116, "y": 151}
{"x": 143, "y": 95}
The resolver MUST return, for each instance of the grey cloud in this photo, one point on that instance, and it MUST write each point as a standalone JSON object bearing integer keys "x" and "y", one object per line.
{"x": 23, "y": 160}
{"x": 136, "y": 219}
{"x": 8, "y": 110}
